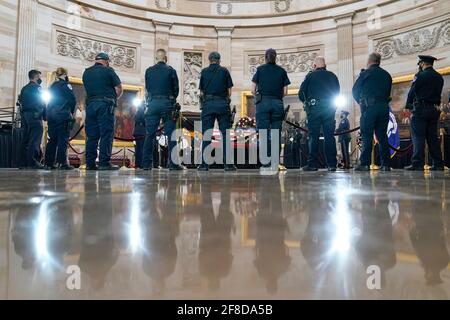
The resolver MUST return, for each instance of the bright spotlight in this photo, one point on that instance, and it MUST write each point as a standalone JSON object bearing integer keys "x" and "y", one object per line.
{"x": 46, "y": 96}
{"x": 340, "y": 101}
{"x": 137, "y": 102}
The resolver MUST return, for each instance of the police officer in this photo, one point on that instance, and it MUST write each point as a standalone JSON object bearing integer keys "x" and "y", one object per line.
{"x": 103, "y": 88}
{"x": 161, "y": 83}
{"x": 139, "y": 135}
{"x": 372, "y": 91}
{"x": 318, "y": 92}
{"x": 215, "y": 88}
{"x": 270, "y": 85}
{"x": 344, "y": 139}
{"x": 60, "y": 117}
{"x": 33, "y": 113}
{"x": 424, "y": 99}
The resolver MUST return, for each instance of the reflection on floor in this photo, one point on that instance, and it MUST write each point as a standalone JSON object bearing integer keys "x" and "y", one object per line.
{"x": 216, "y": 235}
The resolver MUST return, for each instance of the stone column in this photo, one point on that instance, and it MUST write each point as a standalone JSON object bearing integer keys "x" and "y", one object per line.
{"x": 26, "y": 42}
{"x": 162, "y": 35}
{"x": 344, "y": 30}
{"x": 224, "y": 45}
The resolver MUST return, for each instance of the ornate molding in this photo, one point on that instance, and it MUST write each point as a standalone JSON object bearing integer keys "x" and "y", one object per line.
{"x": 294, "y": 61}
{"x": 434, "y": 36}
{"x": 192, "y": 67}
{"x": 160, "y": 4}
{"x": 85, "y": 47}
{"x": 224, "y": 8}
{"x": 282, "y": 5}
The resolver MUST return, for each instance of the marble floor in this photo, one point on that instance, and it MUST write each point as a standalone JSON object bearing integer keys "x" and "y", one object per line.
{"x": 189, "y": 235}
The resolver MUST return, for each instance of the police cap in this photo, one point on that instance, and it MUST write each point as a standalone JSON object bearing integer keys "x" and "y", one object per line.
{"x": 427, "y": 59}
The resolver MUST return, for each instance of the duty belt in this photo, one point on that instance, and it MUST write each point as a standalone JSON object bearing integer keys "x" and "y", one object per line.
{"x": 161, "y": 97}
{"x": 213, "y": 97}
{"x": 271, "y": 97}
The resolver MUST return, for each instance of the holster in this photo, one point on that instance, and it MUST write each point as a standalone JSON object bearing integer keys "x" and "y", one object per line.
{"x": 258, "y": 98}
{"x": 176, "y": 111}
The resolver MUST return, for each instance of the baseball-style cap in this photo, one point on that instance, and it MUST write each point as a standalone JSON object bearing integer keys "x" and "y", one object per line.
{"x": 102, "y": 56}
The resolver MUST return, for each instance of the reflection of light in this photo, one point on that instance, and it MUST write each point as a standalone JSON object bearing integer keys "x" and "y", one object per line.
{"x": 340, "y": 101}
{"x": 135, "y": 234}
{"x": 137, "y": 102}
{"x": 46, "y": 96}
{"x": 342, "y": 222}
{"x": 41, "y": 235}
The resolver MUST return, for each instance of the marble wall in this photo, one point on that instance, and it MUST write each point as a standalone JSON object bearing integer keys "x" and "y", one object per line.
{"x": 69, "y": 33}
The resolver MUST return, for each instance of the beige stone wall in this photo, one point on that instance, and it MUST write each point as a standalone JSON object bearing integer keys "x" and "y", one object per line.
{"x": 339, "y": 30}
{"x": 8, "y": 36}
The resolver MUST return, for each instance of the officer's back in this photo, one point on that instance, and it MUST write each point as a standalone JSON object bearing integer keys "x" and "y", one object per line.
{"x": 30, "y": 98}
{"x": 271, "y": 80}
{"x": 215, "y": 81}
{"x": 63, "y": 101}
{"x": 100, "y": 82}
{"x": 161, "y": 80}
{"x": 428, "y": 86}
{"x": 374, "y": 85}
{"x": 320, "y": 84}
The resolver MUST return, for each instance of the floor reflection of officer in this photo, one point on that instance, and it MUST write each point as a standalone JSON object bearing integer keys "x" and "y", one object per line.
{"x": 376, "y": 243}
{"x": 32, "y": 114}
{"x": 103, "y": 88}
{"x": 160, "y": 229}
{"x": 215, "y": 86}
{"x": 161, "y": 83}
{"x": 139, "y": 135}
{"x": 424, "y": 99}
{"x": 429, "y": 239}
{"x": 99, "y": 248}
{"x": 318, "y": 92}
{"x": 344, "y": 139}
{"x": 60, "y": 117}
{"x": 269, "y": 86}
{"x": 23, "y": 234}
{"x": 272, "y": 255}
{"x": 372, "y": 91}
{"x": 215, "y": 255}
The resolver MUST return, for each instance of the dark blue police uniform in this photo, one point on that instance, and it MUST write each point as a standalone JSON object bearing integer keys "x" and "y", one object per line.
{"x": 100, "y": 82}
{"x": 33, "y": 113}
{"x": 59, "y": 115}
{"x": 214, "y": 84}
{"x": 317, "y": 92}
{"x": 344, "y": 140}
{"x": 372, "y": 91}
{"x": 161, "y": 83}
{"x": 139, "y": 135}
{"x": 270, "y": 80}
{"x": 424, "y": 98}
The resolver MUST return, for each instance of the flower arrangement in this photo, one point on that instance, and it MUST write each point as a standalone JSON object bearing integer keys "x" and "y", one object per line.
{"x": 246, "y": 123}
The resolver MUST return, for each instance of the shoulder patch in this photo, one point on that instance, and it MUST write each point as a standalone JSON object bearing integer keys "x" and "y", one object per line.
{"x": 69, "y": 86}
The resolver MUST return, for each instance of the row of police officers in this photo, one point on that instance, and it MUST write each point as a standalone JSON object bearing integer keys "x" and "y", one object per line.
{"x": 372, "y": 91}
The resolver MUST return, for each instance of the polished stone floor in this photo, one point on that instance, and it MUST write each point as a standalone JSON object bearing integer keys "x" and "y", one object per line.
{"x": 213, "y": 235}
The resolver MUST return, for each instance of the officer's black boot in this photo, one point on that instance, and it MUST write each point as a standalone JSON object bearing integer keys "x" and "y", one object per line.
{"x": 413, "y": 168}
{"x": 437, "y": 168}
{"x": 92, "y": 168}
{"x": 230, "y": 167}
{"x": 332, "y": 169}
{"x": 309, "y": 169}
{"x": 361, "y": 168}
{"x": 385, "y": 168}
{"x": 203, "y": 167}
{"x": 108, "y": 167}
{"x": 37, "y": 166}
{"x": 50, "y": 167}
{"x": 146, "y": 168}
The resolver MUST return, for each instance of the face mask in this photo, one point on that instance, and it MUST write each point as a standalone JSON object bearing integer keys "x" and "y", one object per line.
{"x": 342, "y": 117}
{"x": 39, "y": 81}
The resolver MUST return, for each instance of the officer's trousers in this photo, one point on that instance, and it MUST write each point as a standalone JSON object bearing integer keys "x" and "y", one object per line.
{"x": 270, "y": 115}
{"x": 138, "y": 151}
{"x": 99, "y": 130}
{"x": 374, "y": 119}
{"x": 424, "y": 127}
{"x": 157, "y": 110}
{"x": 32, "y": 138}
{"x": 322, "y": 117}
{"x": 213, "y": 110}
{"x": 58, "y": 142}
{"x": 345, "y": 152}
